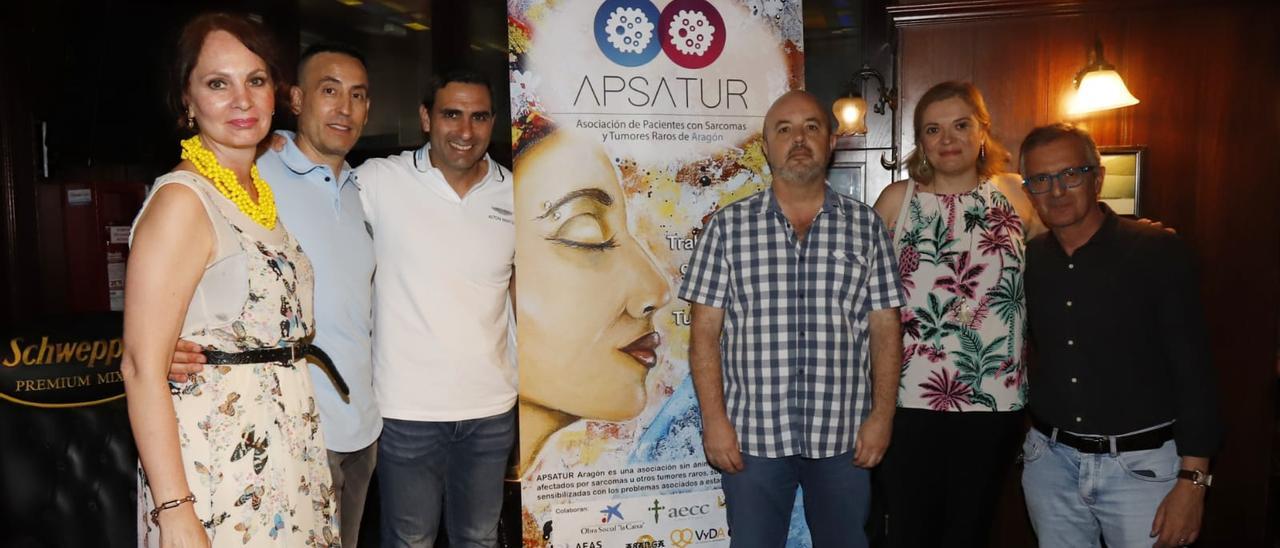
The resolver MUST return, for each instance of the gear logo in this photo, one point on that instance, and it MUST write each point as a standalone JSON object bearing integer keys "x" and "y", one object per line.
{"x": 629, "y": 30}
{"x": 625, "y": 31}
{"x": 632, "y": 32}
{"x": 693, "y": 33}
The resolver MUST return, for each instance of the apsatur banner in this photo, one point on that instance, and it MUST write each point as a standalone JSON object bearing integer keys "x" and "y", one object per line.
{"x": 632, "y": 122}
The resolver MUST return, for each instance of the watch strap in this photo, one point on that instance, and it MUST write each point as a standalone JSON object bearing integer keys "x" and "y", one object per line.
{"x": 1197, "y": 478}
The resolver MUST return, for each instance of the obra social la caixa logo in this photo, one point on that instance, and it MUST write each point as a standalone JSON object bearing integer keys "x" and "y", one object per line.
{"x": 631, "y": 32}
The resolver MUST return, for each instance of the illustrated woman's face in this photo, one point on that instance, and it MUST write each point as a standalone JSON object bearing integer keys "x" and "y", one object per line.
{"x": 587, "y": 289}
{"x": 950, "y": 136}
{"x": 230, "y": 93}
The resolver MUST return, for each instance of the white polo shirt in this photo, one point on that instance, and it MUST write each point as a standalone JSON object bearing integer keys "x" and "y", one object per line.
{"x": 441, "y": 313}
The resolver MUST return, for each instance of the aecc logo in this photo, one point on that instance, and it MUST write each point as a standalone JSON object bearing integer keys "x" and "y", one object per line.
{"x": 630, "y": 32}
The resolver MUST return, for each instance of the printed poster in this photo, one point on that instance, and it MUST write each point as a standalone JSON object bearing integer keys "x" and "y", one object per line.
{"x": 632, "y": 122}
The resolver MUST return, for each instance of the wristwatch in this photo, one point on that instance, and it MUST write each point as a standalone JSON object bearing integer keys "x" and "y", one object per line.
{"x": 1198, "y": 478}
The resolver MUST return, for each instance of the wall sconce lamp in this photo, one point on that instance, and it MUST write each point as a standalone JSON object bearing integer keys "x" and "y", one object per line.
{"x": 851, "y": 110}
{"x": 1099, "y": 86}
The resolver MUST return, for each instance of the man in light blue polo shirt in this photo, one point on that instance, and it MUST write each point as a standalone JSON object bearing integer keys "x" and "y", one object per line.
{"x": 317, "y": 198}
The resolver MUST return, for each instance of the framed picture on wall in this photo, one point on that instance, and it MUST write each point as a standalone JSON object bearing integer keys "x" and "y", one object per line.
{"x": 1123, "y": 184}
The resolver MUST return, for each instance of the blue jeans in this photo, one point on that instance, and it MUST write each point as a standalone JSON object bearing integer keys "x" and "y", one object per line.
{"x": 457, "y": 467}
{"x": 1077, "y": 498}
{"x": 760, "y": 497}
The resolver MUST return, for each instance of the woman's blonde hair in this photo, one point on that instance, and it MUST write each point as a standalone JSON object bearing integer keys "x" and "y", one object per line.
{"x": 995, "y": 156}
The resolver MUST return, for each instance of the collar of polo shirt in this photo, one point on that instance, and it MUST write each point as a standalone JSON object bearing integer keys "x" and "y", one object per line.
{"x": 422, "y": 163}
{"x": 293, "y": 158}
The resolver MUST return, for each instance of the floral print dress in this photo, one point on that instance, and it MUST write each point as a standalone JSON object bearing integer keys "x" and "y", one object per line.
{"x": 962, "y": 258}
{"x": 250, "y": 434}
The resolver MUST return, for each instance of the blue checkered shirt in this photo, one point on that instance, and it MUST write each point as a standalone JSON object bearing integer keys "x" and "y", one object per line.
{"x": 794, "y": 350}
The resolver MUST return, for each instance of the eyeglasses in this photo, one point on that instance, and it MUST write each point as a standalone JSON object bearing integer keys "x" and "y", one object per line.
{"x": 1069, "y": 178}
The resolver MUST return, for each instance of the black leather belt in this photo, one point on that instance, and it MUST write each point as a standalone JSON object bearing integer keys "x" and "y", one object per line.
{"x": 1142, "y": 441}
{"x": 283, "y": 355}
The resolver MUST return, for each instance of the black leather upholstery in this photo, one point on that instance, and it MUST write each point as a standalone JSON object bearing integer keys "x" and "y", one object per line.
{"x": 67, "y": 477}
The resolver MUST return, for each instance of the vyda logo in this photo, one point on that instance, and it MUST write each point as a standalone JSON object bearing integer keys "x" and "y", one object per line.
{"x": 631, "y": 32}
{"x": 681, "y": 538}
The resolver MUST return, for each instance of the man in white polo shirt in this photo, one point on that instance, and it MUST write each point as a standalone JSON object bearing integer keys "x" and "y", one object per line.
{"x": 443, "y": 373}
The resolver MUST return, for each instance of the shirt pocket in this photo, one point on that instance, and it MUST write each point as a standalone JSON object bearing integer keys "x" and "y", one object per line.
{"x": 845, "y": 272}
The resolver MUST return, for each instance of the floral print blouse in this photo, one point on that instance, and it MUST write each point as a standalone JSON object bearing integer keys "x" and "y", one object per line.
{"x": 962, "y": 258}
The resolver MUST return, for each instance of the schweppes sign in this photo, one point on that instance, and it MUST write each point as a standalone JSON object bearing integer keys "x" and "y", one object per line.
{"x": 67, "y": 363}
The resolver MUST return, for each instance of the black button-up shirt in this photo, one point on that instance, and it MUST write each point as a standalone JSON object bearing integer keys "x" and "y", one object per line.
{"x": 1118, "y": 336}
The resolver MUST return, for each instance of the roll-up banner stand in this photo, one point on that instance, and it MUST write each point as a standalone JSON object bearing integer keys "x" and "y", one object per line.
{"x": 632, "y": 121}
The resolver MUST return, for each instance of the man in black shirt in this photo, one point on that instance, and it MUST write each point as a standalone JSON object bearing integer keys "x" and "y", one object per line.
{"x": 1123, "y": 401}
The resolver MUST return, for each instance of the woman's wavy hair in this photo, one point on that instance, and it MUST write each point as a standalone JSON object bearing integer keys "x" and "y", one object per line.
{"x": 992, "y": 162}
{"x": 253, "y": 35}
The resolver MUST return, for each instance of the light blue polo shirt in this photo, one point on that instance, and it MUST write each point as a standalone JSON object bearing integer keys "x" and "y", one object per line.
{"x": 322, "y": 210}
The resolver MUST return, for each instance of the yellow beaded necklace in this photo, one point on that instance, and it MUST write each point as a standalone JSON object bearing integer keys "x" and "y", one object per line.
{"x": 263, "y": 212}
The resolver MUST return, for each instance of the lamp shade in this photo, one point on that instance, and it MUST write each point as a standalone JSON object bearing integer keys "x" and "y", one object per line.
{"x": 1100, "y": 90}
{"x": 851, "y": 114}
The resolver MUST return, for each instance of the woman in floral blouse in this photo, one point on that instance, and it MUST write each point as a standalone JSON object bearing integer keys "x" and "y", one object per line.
{"x": 960, "y": 226}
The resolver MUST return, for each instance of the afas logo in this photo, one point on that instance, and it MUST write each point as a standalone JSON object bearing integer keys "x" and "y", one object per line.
{"x": 631, "y": 32}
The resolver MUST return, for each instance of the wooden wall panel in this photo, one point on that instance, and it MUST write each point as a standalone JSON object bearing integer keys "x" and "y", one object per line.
{"x": 18, "y": 145}
{"x": 1208, "y": 76}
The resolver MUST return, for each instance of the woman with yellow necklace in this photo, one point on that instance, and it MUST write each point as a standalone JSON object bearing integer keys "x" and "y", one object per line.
{"x": 233, "y": 456}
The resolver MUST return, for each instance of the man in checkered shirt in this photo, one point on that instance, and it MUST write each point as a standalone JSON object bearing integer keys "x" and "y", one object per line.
{"x": 792, "y": 289}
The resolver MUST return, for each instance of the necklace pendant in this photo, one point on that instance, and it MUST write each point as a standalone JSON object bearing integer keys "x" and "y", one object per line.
{"x": 965, "y": 314}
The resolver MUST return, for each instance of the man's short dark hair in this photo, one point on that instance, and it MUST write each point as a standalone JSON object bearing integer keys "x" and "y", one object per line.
{"x": 459, "y": 76}
{"x": 330, "y": 47}
{"x": 1044, "y": 135}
